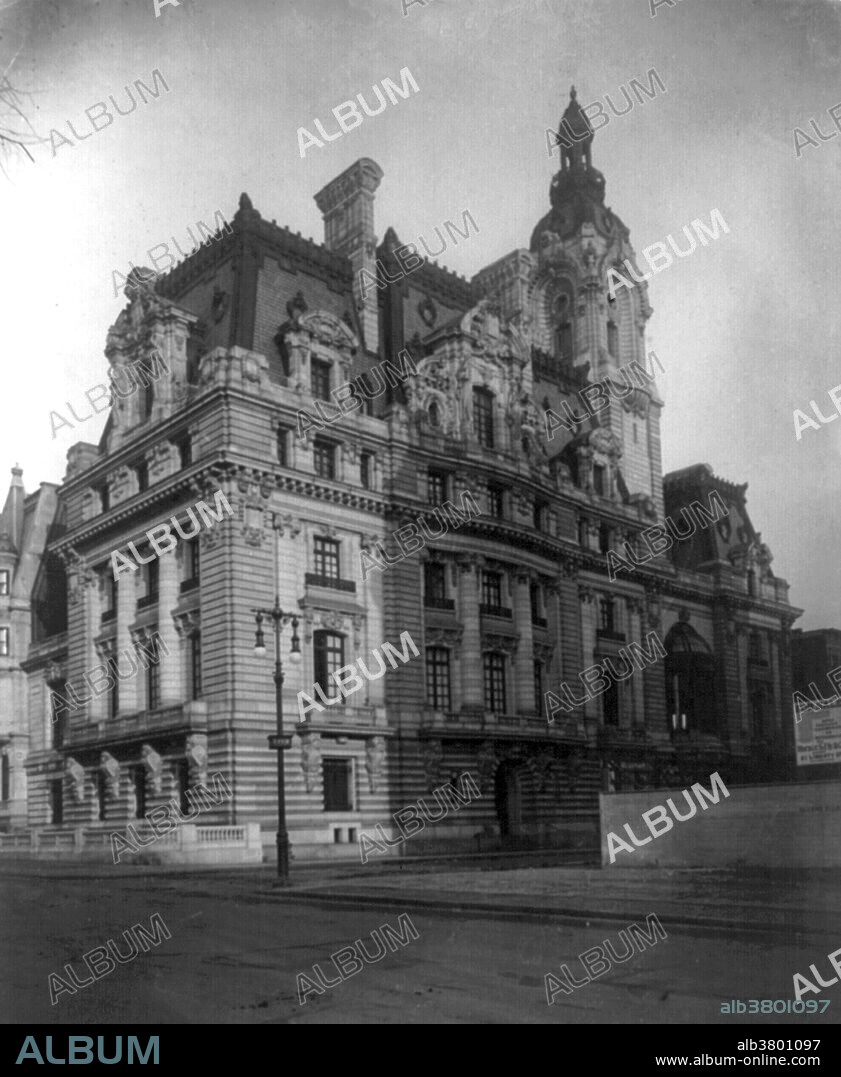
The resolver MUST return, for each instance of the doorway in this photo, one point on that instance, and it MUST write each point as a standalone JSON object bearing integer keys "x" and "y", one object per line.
{"x": 508, "y": 799}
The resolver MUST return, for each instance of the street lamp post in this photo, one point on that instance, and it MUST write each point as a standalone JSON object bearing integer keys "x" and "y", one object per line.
{"x": 279, "y": 741}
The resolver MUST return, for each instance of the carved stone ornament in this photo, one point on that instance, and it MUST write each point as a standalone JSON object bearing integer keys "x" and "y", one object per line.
{"x": 109, "y": 766}
{"x": 74, "y": 772}
{"x": 605, "y": 441}
{"x": 543, "y": 652}
{"x": 445, "y": 637}
{"x": 287, "y": 524}
{"x": 154, "y": 768}
{"x": 492, "y": 641}
{"x": 486, "y": 760}
{"x": 540, "y": 766}
{"x": 196, "y": 754}
{"x": 311, "y": 761}
{"x": 428, "y": 311}
{"x": 187, "y": 624}
{"x": 219, "y": 304}
{"x": 375, "y": 755}
{"x": 56, "y": 671}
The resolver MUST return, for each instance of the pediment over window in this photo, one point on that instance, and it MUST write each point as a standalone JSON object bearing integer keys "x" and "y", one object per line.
{"x": 329, "y": 330}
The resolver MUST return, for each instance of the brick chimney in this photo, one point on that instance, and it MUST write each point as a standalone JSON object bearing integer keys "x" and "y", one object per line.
{"x": 347, "y": 205}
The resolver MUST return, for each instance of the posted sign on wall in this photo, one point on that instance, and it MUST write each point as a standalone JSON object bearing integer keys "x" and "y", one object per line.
{"x": 817, "y": 737}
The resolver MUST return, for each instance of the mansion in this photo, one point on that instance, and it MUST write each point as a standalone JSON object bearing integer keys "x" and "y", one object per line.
{"x": 261, "y": 325}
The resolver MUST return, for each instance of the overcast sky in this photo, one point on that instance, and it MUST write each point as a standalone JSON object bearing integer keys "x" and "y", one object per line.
{"x": 747, "y": 328}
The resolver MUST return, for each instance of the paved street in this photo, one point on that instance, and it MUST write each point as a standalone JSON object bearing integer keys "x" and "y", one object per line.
{"x": 237, "y": 946}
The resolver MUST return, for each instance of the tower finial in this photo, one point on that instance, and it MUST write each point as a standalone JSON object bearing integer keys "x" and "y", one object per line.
{"x": 572, "y": 93}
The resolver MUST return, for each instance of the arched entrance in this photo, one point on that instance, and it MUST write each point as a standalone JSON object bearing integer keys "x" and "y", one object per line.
{"x": 508, "y": 799}
{"x": 690, "y": 683}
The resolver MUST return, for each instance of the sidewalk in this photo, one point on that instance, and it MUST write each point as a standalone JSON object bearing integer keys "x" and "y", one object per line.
{"x": 747, "y": 901}
{"x": 762, "y": 901}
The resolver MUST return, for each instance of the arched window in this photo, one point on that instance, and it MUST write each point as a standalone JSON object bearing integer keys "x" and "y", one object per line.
{"x": 433, "y": 415}
{"x": 328, "y": 649}
{"x": 563, "y": 321}
{"x": 612, "y": 339}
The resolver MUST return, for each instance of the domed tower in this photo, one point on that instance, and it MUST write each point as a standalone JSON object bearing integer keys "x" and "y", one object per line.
{"x": 582, "y": 333}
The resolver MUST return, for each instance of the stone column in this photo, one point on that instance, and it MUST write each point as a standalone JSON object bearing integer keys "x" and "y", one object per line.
{"x": 99, "y": 708}
{"x": 554, "y": 672}
{"x": 472, "y": 675}
{"x": 635, "y": 685}
{"x": 524, "y": 701}
{"x": 586, "y": 598}
{"x": 172, "y": 691}
{"x": 126, "y": 612}
{"x": 93, "y": 601}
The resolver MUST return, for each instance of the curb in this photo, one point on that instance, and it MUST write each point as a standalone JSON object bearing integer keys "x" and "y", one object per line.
{"x": 532, "y": 913}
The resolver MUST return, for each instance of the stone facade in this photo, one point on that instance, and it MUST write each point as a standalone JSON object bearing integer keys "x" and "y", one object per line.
{"x": 503, "y": 608}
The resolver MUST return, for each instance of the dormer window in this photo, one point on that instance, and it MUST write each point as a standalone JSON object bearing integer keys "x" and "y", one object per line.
{"x": 483, "y": 417}
{"x": 320, "y": 379}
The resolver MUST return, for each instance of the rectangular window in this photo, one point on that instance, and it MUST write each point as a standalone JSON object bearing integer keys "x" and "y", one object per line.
{"x": 536, "y": 604}
{"x": 320, "y": 379}
{"x": 436, "y": 485}
{"x": 538, "y": 687}
{"x": 365, "y": 461}
{"x": 185, "y": 451}
{"x": 139, "y": 783}
{"x": 192, "y": 563}
{"x": 539, "y": 519}
{"x": 328, "y": 657}
{"x": 110, "y": 587}
{"x": 4, "y": 581}
{"x": 612, "y": 339}
{"x": 4, "y": 642}
{"x": 324, "y": 458}
{"x": 599, "y": 480}
{"x": 283, "y": 446}
{"x": 604, "y": 538}
{"x": 182, "y": 775}
{"x": 326, "y": 558}
{"x": 491, "y": 589}
{"x": 434, "y": 582}
{"x": 438, "y": 678}
{"x": 607, "y": 615}
{"x": 153, "y": 675}
{"x": 495, "y": 683}
{"x": 114, "y": 694}
{"x": 610, "y": 704}
{"x": 338, "y": 784}
{"x": 57, "y": 802}
{"x": 195, "y": 665}
{"x": 104, "y": 497}
{"x": 483, "y": 417}
{"x": 58, "y": 712}
{"x": 101, "y": 795}
{"x": 495, "y": 500}
{"x": 153, "y": 572}
{"x": 142, "y": 472}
